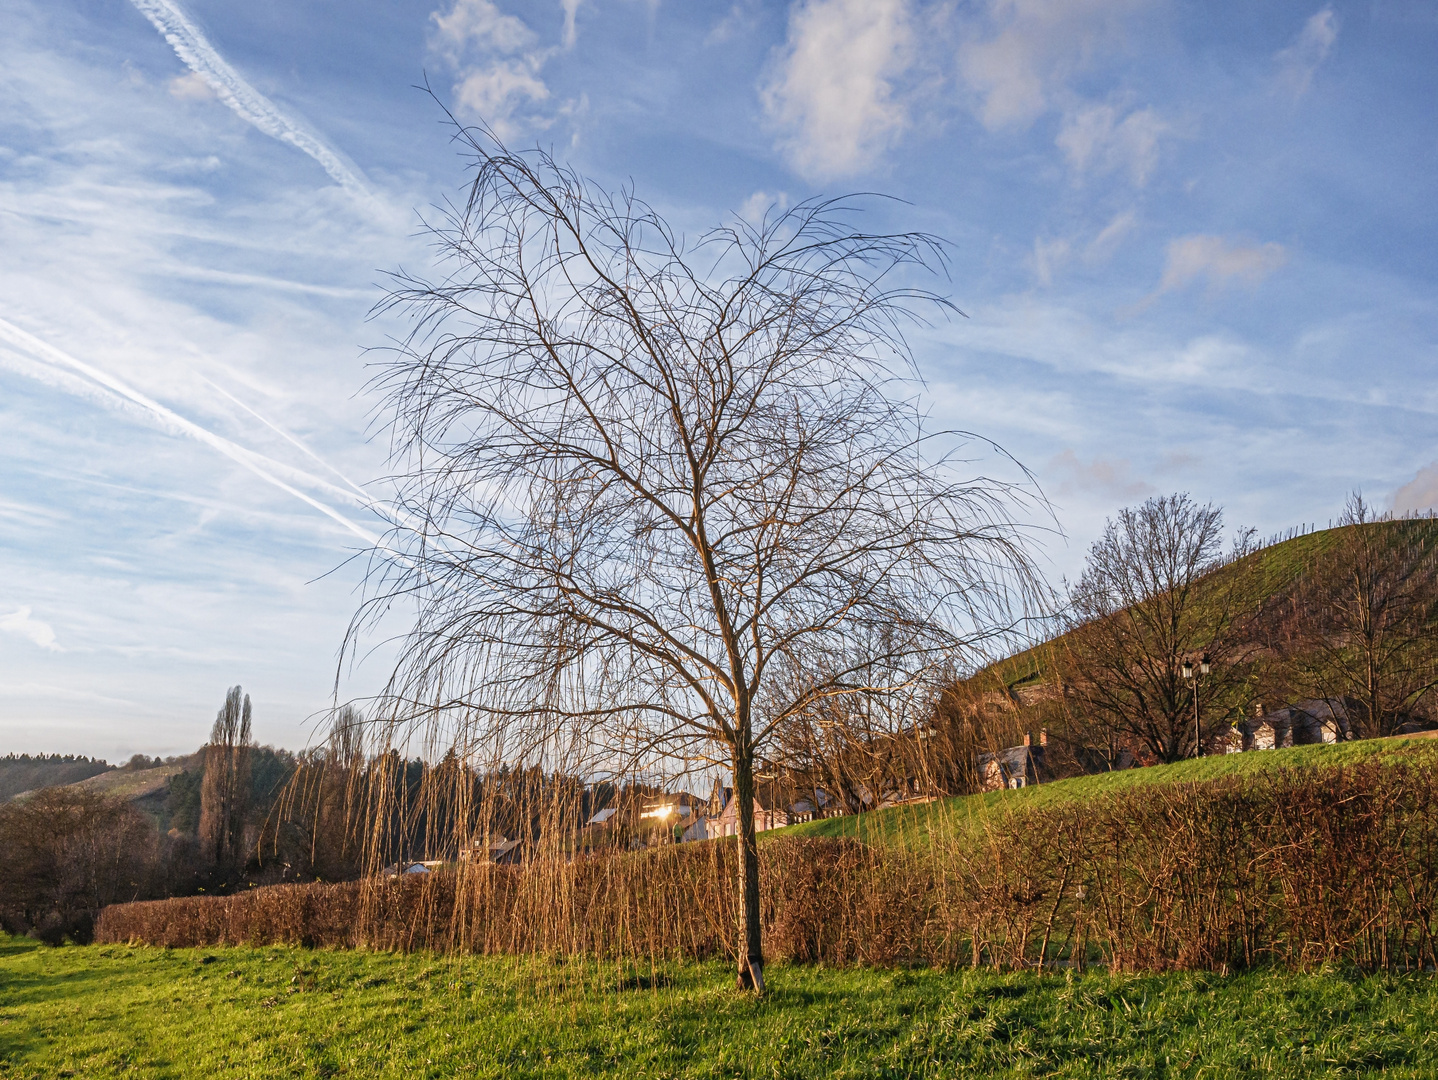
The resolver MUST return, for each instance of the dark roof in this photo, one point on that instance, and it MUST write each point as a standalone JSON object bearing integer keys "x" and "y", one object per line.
{"x": 1014, "y": 759}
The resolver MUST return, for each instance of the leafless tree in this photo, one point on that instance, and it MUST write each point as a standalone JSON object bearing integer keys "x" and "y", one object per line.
{"x": 1152, "y": 597}
{"x": 65, "y": 853}
{"x": 1364, "y": 634}
{"x": 638, "y": 477}
{"x": 225, "y": 791}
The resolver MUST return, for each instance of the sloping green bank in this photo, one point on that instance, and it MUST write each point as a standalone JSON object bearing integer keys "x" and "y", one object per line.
{"x": 111, "y": 1011}
{"x": 960, "y": 818}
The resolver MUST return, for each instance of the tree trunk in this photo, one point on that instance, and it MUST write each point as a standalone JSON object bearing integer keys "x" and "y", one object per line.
{"x": 751, "y": 945}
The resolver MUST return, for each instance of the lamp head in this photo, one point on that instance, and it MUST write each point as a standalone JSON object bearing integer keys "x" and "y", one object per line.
{"x": 1187, "y": 670}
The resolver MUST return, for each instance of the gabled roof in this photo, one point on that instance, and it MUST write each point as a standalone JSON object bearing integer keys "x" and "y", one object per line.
{"x": 1014, "y": 760}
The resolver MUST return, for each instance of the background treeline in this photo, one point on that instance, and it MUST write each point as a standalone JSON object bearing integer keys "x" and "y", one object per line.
{"x": 1295, "y": 867}
{"x": 236, "y": 816}
{"x": 26, "y": 772}
{"x": 231, "y": 816}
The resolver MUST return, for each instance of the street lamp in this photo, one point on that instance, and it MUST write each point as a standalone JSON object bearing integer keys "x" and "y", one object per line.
{"x": 1188, "y": 673}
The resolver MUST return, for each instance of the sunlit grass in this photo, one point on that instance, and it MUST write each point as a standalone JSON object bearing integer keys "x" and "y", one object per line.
{"x": 279, "y": 1012}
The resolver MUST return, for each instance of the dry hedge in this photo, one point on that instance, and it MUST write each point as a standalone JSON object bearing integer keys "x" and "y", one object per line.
{"x": 1295, "y": 868}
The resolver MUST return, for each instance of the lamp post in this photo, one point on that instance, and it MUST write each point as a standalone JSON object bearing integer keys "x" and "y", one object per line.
{"x": 1192, "y": 677}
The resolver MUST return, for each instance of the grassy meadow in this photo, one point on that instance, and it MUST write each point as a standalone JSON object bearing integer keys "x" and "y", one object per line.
{"x": 101, "y": 1011}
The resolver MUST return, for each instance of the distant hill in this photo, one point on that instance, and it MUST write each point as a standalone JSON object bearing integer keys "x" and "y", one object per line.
{"x": 123, "y": 784}
{"x": 24, "y": 772}
{"x": 1276, "y": 569}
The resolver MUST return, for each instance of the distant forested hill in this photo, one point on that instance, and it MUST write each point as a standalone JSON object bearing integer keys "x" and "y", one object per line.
{"x": 24, "y": 772}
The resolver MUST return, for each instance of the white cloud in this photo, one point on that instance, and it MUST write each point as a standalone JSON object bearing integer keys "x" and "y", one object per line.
{"x": 480, "y": 23}
{"x": 1298, "y": 63}
{"x": 495, "y": 93}
{"x": 497, "y": 60}
{"x": 1031, "y": 49}
{"x": 1420, "y": 493}
{"x": 756, "y": 206}
{"x": 20, "y": 622}
{"x": 832, "y": 92}
{"x": 1095, "y": 140}
{"x": 741, "y": 19}
{"x": 1219, "y": 260}
{"x": 106, "y": 389}
{"x": 191, "y": 87}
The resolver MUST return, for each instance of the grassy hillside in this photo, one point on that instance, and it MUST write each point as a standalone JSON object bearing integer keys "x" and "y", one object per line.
{"x": 1275, "y": 569}
{"x": 139, "y": 784}
{"x": 959, "y": 817}
{"x": 20, "y": 773}
{"x": 112, "y": 1011}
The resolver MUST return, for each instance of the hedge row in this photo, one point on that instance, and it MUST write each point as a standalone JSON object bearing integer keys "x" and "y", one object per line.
{"x": 1294, "y": 868}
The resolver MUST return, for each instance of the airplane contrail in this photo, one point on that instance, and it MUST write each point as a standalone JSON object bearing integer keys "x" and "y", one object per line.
{"x": 258, "y": 464}
{"x": 191, "y": 46}
{"x": 282, "y": 433}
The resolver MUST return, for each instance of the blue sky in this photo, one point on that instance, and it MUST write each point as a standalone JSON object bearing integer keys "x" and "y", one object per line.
{"x": 1195, "y": 242}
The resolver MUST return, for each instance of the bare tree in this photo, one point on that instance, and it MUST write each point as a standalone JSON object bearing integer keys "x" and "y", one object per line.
{"x": 1364, "y": 634}
{"x": 639, "y": 477}
{"x": 1151, "y": 598}
{"x": 225, "y": 790}
{"x": 65, "y": 853}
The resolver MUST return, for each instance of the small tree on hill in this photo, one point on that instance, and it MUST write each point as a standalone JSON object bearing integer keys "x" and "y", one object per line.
{"x": 654, "y": 494}
{"x": 1148, "y": 601}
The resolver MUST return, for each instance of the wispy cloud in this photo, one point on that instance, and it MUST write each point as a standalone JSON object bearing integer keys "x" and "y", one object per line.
{"x": 23, "y": 623}
{"x": 1113, "y": 480}
{"x": 741, "y": 19}
{"x": 1020, "y": 61}
{"x": 205, "y": 61}
{"x": 1219, "y": 260}
{"x": 832, "y": 92}
{"x": 570, "y": 9}
{"x": 263, "y": 467}
{"x": 191, "y": 87}
{"x": 1052, "y": 255}
{"x": 1049, "y": 257}
{"x": 29, "y": 515}
{"x": 1111, "y": 236}
{"x": 1298, "y": 63}
{"x": 1095, "y": 140}
{"x": 282, "y": 433}
{"x": 758, "y": 205}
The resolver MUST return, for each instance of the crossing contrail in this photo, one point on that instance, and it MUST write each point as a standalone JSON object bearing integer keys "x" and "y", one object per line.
{"x": 263, "y": 467}
{"x": 191, "y": 46}
{"x": 282, "y": 433}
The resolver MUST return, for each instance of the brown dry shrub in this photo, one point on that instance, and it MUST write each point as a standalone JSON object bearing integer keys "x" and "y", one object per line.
{"x": 1295, "y": 868}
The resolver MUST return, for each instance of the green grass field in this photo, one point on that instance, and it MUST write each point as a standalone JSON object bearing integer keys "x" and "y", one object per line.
{"x": 102, "y": 1011}
{"x": 958, "y": 818}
